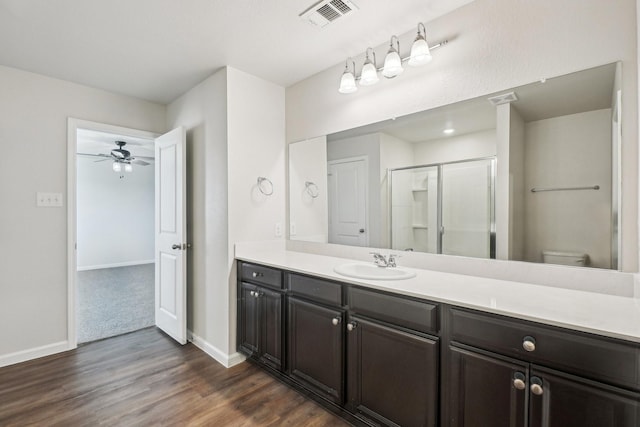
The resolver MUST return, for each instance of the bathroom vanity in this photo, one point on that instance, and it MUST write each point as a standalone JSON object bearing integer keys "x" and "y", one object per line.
{"x": 440, "y": 348}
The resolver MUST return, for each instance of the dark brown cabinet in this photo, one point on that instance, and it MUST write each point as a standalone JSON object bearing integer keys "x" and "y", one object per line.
{"x": 485, "y": 386}
{"x": 261, "y": 324}
{"x": 316, "y": 348}
{"x": 392, "y": 375}
{"x": 261, "y": 314}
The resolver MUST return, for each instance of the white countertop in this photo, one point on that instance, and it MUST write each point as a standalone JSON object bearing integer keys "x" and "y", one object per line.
{"x": 608, "y": 315}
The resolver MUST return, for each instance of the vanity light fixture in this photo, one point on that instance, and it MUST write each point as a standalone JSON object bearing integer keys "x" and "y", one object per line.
{"x": 369, "y": 75}
{"x": 420, "y": 52}
{"x": 393, "y": 62}
{"x": 420, "y": 55}
{"x": 348, "y": 80}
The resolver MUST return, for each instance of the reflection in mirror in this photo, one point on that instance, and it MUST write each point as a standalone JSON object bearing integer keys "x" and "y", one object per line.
{"x": 458, "y": 180}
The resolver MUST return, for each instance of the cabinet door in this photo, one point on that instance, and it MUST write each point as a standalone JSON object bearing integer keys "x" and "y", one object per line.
{"x": 484, "y": 391}
{"x": 568, "y": 401}
{"x": 248, "y": 328}
{"x": 270, "y": 321}
{"x": 392, "y": 375}
{"x": 316, "y": 349}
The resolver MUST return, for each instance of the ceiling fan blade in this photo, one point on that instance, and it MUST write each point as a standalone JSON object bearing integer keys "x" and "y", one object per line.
{"x": 94, "y": 155}
{"x": 145, "y": 157}
{"x": 140, "y": 162}
{"x": 101, "y": 160}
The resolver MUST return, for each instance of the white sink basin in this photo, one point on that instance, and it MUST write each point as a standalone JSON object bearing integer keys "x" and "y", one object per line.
{"x": 360, "y": 270}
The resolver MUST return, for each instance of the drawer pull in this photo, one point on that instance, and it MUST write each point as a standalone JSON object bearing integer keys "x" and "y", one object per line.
{"x": 257, "y": 274}
{"x": 529, "y": 343}
{"x": 518, "y": 381}
{"x": 336, "y": 321}
{"x": 351, "y": 326}
{"x": 536, "y": 386}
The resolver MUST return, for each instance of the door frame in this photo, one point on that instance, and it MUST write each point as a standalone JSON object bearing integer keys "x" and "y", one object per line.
{"x": 73, "y": 125}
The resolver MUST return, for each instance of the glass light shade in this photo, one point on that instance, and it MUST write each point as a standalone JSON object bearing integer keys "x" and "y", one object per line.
{"x": 392, "y": 64}
{"x": 128, "y": 167}
{"x": 369, "y": 74}
{"x": 420, "y": 53}
{"x": 347, "y": 83}
{"x": 117, "y": 167}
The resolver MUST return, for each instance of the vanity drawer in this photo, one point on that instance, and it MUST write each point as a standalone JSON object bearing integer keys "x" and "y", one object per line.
{"x": 417, "y": 315}
{"x": 316, "y": 289}
{"x": 600, "y": 358}
{"x": 260, "y": 274}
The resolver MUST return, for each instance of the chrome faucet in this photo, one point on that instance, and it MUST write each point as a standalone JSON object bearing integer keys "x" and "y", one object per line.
{"x": 381, "y": 261}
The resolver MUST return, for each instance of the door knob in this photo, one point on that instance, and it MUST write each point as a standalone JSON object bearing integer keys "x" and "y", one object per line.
{"x": 361, "y": 230}
{"x": 518, "y": 381}
{"x": 176, "y": 247}
{"x": 536, "y": 386}
{"x": 529, "y": 343}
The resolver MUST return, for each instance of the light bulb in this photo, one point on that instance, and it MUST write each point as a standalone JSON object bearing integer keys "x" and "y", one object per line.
{"x": 128, "y": 167}
{"x": 369, "y": 75}
{"x": 420, "y": 53}
{"x": 348, "y": 79}
{"x": 392, "y": 62}
{"x": 117, "y": 167}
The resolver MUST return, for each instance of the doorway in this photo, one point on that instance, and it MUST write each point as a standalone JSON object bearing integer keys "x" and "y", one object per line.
{"x": 167, "y": 219}
{"x": 115, "y": 235}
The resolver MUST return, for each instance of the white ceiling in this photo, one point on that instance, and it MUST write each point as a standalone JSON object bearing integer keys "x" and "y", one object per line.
{"x": 158, "y": 49}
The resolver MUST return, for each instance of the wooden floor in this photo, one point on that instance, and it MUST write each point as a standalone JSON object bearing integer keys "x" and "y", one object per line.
{"x": 144, "y": 379}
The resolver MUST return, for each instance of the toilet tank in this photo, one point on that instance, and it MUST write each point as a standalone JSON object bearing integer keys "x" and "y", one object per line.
{"x": 565, "y": 258}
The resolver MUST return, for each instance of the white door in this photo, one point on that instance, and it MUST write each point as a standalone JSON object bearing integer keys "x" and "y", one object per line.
{"x": 348, "y": 202}
{"x": 171, "y": 234}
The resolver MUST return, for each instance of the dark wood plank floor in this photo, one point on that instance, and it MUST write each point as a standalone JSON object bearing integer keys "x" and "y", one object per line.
{"x": 143, "y": 379}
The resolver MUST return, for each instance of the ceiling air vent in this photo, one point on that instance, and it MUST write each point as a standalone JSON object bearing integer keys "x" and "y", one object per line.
{"x": 504, "y": 98}
{"x": 327, "y": 11}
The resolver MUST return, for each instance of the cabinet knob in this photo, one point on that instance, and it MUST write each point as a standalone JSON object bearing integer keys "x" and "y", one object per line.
{"x": 257, "y": 294}
{"x": 351, "y": 326}
{"x": 252, "y": 293}
{"x": 518, "y": 381}
{"x": 529, "y": 343}
{"x": 256, "y": 274}
{"x": 536, "y": 386}
{"x": 336, "y": 321}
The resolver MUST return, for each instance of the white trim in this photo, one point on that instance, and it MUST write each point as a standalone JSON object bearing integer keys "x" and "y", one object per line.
{"x": 33, "y": 353}
{"x": 116, "y": 264}
{"x": 73, "y": 125}
{"x": 226, "y": 360}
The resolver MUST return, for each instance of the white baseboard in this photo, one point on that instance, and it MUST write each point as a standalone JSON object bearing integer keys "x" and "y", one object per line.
{"x": 117, "y": 264}
{"x": 33, "y": 353}
{"x": 226, "y": 360}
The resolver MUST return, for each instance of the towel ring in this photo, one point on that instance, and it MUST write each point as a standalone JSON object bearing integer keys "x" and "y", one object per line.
{"x": 266, "y": 189}
{"x": 312, "y": 189}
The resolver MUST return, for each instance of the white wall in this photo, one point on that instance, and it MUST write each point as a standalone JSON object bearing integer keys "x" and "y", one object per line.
{"x": 115, "y": 215}
{"x": 569, "y": 151}
{"x": 235, "y": 133}
{"x": 33, "y": 135}
{"x": 308, "y": 215}
{"x": 494, "y": 45}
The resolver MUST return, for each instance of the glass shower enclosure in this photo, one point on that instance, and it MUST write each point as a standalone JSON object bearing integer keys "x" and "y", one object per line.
{"x": 444, "y": 208}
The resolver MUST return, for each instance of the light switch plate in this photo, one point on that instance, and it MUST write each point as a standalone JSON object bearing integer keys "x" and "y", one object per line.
{"x": 49, "y": 200}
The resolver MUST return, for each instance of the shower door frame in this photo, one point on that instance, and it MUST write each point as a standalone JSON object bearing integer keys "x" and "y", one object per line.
{"x": 439, "y": 166}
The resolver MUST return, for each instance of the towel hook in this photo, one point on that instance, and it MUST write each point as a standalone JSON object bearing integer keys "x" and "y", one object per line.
{"x": 312, "y": 189}
{"x": 265, "y": 186}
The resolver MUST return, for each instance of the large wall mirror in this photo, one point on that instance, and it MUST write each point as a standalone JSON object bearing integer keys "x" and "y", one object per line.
{"x": 529, "y": 173}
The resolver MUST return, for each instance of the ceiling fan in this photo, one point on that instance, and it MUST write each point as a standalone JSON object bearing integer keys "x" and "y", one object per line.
{"x": 120, "y": 157}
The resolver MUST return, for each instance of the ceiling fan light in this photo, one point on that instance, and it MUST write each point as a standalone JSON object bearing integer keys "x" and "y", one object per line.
{"x": 117, "y": 167}
{"x": 420, "y": 53}
{"x": 128, "y": 167}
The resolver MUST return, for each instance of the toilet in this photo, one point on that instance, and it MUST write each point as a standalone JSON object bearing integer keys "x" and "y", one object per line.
{"x": 565, "y": 258}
